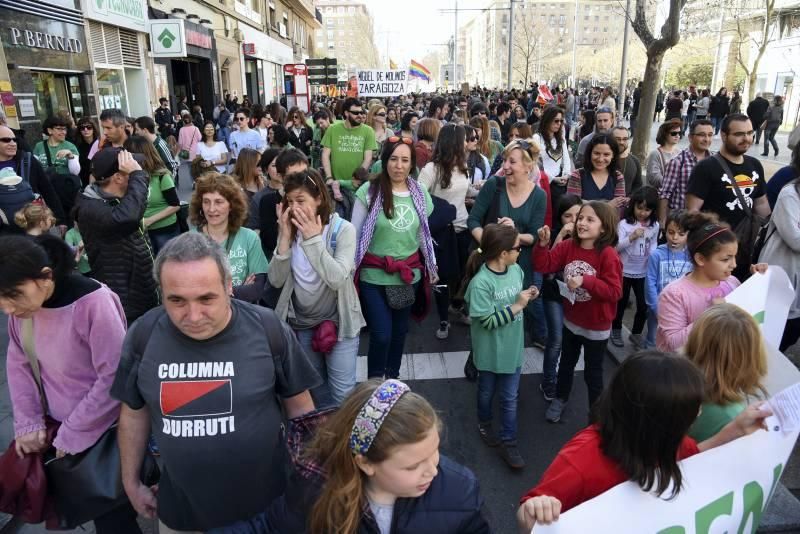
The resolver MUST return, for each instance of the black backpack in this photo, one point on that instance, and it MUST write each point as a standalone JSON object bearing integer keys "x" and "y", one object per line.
{"x": 66, "y": 186}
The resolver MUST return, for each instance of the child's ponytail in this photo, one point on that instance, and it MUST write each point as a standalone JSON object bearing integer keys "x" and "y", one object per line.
{"x": 706, "y": 233}
{"x": 496, "y": 239}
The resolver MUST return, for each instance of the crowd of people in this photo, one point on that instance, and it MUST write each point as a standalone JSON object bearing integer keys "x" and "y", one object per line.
{"x": 222, "y": 334}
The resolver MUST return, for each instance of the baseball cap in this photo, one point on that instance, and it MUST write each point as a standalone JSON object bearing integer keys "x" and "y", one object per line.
{"x": 105, "y": 165}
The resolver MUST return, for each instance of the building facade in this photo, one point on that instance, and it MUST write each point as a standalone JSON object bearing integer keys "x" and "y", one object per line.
{"x": 348, "y": 34}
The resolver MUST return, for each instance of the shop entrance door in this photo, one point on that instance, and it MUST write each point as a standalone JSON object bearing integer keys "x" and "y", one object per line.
{"x": 58, "y": 92}
{"x": 192, "y": 78}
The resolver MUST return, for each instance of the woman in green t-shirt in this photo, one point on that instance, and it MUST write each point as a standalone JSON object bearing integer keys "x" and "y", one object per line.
{"x": 394, "y": 253}
{"x": 219, "y": 209}
{"x": 727, "y": 345}
{"x": 162, "y": 198}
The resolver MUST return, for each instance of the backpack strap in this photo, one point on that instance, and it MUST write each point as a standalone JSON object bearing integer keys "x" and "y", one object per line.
{"x": 144, "y": 328}
{"x": 335, "y": 232}
{"x": 274, "y": 330}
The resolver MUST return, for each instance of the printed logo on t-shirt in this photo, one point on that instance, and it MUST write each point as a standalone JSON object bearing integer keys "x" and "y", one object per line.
{"x": 196, "y": 399}
{"x": 579, "y": 268}
{"x": 746, "y": 184}
{"x": 403, "y": 218}
{"x": 350, "y": 143}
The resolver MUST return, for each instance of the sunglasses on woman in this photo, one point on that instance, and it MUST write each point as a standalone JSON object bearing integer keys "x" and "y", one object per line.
{"x": 87, "y": 127}
{"x": 675, "y": 134}
{"x": 398, "y": 139}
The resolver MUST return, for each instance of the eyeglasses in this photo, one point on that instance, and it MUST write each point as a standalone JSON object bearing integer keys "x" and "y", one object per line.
{"x": 398, "y": 139}
{"x": 675, "y": 134}
{"x": 471, "y": 139}
{"x": 380, "y": 114}
{"x": 59, "y": 128}
{"x": 740, "y": 135}
{"x": 240, "y": 119}
{"x": 87, "y": 127}
{"x": 6, "y": 140}
{"x": 558, "y": 121}
{"x": 357, "y": 112}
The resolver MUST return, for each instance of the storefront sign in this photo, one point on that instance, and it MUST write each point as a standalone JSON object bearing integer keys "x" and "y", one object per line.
{"x": 266, "y": 47}
{"x": 249, "y": 49}
{"x": 381, "y": 82}
{"x": 34, "y": 39}
{"x": 130, "y": 14}
{"x": 26, "y": 108}
{"x": 167, "y": 38}
{"x": 198, "y": 39}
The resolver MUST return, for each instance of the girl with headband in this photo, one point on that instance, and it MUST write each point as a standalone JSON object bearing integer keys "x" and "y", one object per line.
{"x": 373, "y": 466}
{"x": 712, "y": 248}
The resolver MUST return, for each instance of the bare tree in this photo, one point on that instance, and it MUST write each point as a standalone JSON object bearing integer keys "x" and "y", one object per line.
{"x": 747, "y": 40}
{"x": 525, "y": 47}
{"x": 655, "y": 49}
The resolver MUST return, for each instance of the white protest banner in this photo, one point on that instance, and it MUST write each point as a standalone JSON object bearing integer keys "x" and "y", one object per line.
{"x": 381, "y": 82}
{"x": 768, "y": 297}
{"x": 726, "y": 489}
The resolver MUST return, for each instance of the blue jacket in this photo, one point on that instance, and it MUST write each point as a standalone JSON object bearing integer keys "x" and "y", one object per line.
{"x": 664, "y": 266}
{"x": 452, "y": 505}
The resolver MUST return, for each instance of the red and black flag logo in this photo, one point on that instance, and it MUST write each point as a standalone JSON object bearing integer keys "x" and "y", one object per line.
{"x": 199, "y": 398}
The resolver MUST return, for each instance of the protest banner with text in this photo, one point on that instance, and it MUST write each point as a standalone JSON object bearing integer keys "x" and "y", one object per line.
{"x": 381, "y": 82}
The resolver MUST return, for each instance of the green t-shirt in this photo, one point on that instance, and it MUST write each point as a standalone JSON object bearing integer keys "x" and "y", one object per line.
{"x": 60, "y": 164}
{"x": 156, "y": 201}
{"x": 347, "y": 147}
{"x": 395, "y": 237}
{"x": 245, "y": 255}
{"x": 499, "y": 350}
{"x": 712, "y": 418}
{"x": 73, "y": 238}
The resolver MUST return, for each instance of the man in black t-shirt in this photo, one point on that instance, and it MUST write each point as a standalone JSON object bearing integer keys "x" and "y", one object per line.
{"x": 203, "y": 373}
{"x": 711, "y": 189}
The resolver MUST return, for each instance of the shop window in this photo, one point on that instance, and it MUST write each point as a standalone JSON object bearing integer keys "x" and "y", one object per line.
{"x": 111, "y": 89}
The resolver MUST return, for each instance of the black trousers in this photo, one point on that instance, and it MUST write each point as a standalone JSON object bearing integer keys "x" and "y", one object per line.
{"x": 791, "y": 333}
{"x": 120, "y": 520}
{"x": 639, "y": 320}
{"x": 593, "y": 353}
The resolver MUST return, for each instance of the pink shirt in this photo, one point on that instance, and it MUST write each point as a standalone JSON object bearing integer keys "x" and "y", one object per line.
{"x": 188, "y": 137}
{"x": 679, "y": 306}
{"x": 78, "y": 347}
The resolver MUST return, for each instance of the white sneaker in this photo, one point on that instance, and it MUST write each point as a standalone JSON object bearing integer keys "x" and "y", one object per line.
{"x": 444, "y": 330}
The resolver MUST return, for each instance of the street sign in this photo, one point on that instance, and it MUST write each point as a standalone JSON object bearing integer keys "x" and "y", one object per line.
{"x": 322, "y": 71}
{"x": 167, "y": 38}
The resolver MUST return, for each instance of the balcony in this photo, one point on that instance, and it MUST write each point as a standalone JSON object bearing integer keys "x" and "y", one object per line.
{"x": 318, "y": 15}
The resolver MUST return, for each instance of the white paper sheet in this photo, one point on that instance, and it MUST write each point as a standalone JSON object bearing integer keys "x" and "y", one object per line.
{"x": 786, "y": 408}
{"x": 566, "y": 292}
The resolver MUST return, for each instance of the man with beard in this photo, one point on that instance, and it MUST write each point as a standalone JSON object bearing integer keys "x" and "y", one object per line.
{"x": 627, "y": 163}
{"x": 714, "y": 181}
{"x": 348, "y": 144}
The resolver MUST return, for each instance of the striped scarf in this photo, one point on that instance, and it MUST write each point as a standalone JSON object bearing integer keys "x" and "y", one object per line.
{"x": 423, "y": 237}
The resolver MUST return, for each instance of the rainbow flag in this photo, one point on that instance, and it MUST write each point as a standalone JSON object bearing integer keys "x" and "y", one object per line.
{"x": 418, "y": 70}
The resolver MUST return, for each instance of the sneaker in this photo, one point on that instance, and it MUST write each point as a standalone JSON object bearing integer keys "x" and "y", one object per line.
{"x": 548, "y": 391}
{"x": 444, "y": 330}
{"x": 539, "y": 343}
{"x": 616, "y": 338}
{"x": 510, "y": 453}
{"x": 638, "y": 341}
{"x": 553, "y": 413}
{"x": 487, "y": 435}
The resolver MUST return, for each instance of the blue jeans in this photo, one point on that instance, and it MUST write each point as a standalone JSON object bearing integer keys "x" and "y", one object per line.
{"x": 387, "y": 332}
{"x": 534, "y": 313}
{"x": 337, "y": 369}
{"x": 717, "y": 122}
{"x": 508, "y": 386}
{"x": 652, "y": 325}
{"x": 554, "y": 315}
{"x": 159, "y": 238}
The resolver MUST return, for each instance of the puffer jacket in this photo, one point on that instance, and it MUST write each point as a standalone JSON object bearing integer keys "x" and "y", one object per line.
{"x": 117, "y": 245}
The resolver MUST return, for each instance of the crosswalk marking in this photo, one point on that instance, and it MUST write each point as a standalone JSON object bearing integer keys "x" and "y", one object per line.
{"x": 438, "y": 365}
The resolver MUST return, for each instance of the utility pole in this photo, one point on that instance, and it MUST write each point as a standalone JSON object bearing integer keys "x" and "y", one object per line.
{"x": 714, "y": 77}
{"x": 510, "y": 47}
{"x": 574, "y": 81}
{"x": 623, "y": 75}
{"x": 455, "y": 48}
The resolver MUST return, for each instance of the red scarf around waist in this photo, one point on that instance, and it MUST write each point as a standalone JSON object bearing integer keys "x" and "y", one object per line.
{"x": 405, "y": 268}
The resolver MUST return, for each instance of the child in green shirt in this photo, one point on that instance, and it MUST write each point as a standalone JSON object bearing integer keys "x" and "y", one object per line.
{"x": 74, "y": 240}
{"x": 495, "y": 300}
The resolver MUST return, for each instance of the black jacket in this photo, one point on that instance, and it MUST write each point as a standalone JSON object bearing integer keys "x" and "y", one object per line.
{"x": 452, "y": 505}
{"x": 299, "y": 142}
{"x": 756, "y": 111}
{"x": 39, "y": 182}
{"x": 440, "y": 222}
{"x": 118, "y": 248}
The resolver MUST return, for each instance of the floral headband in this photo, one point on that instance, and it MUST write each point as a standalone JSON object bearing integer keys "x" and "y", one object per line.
{"x": 371, "y": 416}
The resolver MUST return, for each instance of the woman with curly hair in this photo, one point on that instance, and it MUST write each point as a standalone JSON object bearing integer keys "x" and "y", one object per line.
{"x": 219, "y": 209}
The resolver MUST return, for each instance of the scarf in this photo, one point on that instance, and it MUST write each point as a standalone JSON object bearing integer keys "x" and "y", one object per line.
{"x": 423, "y": 236}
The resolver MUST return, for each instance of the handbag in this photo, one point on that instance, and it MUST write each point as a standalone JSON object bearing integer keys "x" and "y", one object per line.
{"x": 86, "y": 485}
{"x": 748, "y": 229}
{"x": 184, "y": 153}
{"x": 399, "y": 297}
{"x": 470, "y": 371}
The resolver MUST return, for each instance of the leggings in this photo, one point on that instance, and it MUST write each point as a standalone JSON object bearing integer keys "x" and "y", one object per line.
{"x": 639, "y": 320}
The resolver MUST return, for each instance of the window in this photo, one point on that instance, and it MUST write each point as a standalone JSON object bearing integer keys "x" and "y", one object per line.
{"x": 351, "y": 9}
{"x": 585, "y": 40}
{"x": 341, "y": 33}
{"x": 562, "y": 20}
{"x": 271, "y": 19}
{"x": 586, "y": 17}
{"x": 340, "y": 9}
{"x": 597, "y": 18}
{"x": 605, "y": 30}
{"x": 607, "y": 18}
{"x": 329, "y": 9}
{"x": 544, "y": 19}
{"x": 552, "y": 19}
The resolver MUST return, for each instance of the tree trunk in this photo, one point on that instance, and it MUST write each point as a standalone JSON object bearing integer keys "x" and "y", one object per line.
{"x": 647, "y": 104}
